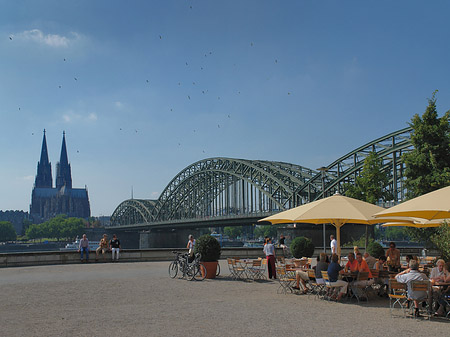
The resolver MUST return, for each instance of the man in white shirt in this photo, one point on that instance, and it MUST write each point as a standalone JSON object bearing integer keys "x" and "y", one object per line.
{"x": 333, "y": 245}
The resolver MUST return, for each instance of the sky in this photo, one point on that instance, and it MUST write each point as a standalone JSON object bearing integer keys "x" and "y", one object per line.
{"x": 143, "y": 89}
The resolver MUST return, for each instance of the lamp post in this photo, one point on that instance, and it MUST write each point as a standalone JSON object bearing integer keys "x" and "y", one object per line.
{"x": 323, "y": 170}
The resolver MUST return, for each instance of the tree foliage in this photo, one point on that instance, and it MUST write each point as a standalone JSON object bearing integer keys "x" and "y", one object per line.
{"x": 265, "y": 231}
{"x": 428, "y": 164}
{"x": 233, "y": 231}
{"x": 441, "y": 240}
{"x": 375, "y": 249}
{"x": 370, "y": 185}
{"x": 58, "y": 228}
{"x": 7, "y": 231}
{"x": 208, "y": 247}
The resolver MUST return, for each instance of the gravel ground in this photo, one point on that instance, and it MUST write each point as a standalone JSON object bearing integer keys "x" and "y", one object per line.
{"x": 139, "y": 299}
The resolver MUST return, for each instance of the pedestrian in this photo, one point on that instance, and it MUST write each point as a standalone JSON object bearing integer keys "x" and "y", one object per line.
{"x": 190, "y": 246}
{"x": 114, "y": 245}
{"x": 269, "y": 250}
{"x": 83, "y": 247}
{"x": 102, "y": 247}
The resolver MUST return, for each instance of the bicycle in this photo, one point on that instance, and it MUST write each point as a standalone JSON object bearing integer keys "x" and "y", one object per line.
{"x": 178, "y": 264}
{"x": 196, "y": 270}
{"x": 191, "y": 270}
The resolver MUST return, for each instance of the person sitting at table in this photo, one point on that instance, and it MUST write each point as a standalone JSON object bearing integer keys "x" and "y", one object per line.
{"x": 381, "y": 263}
{"x": 370, "y": 260}
{"x": 352, "y": 264}
{"x": 413, "y": 274}
{"x": 333, "y": 274}
{"x": 438, "y": 273}
{"x": 269, "y": 250}
{"x": 363, "y": 267}
{"x": 393, "y": 257}
{"x": 408, "y": 258}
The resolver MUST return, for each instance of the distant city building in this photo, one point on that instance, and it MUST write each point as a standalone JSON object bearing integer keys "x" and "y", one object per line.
{"x": 46, "y": 201}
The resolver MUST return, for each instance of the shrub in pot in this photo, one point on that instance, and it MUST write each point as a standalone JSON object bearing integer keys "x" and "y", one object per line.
{"x": 302, "y": 247}
{"x": 210, "y": 250}
{"x": 375, "y": 249}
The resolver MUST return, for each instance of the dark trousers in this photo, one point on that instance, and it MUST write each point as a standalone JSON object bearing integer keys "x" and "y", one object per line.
{"x": 271, "y": 266}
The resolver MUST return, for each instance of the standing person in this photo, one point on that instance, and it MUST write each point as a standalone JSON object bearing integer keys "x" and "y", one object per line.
{"x": 84, "y": 248}
{"x": 102, "y": 247}
{"x": 269, "y": 250}
{"x": 114, "y": 245}
{"x": 333, "y": 245}
{"x": 393, "y": 257}
{"x": 190, "y": 246}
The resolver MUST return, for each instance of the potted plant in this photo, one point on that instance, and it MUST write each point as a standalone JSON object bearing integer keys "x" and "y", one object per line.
{"x": 301, "y": 247}
{"x": 210, "y": 250}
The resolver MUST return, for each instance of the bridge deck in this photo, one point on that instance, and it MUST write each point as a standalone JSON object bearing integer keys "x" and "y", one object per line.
{"x": 139, "y": 299}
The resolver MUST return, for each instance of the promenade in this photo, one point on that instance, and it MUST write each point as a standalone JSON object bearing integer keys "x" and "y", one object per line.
{"x": 139, "y": 299}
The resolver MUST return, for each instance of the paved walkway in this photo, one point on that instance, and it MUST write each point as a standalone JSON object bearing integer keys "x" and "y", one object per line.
{"x": 139, "y": 299}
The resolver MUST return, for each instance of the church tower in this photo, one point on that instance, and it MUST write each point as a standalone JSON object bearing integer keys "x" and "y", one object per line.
{"x": 44, "y": 168}
{"x": 63, "y": 172}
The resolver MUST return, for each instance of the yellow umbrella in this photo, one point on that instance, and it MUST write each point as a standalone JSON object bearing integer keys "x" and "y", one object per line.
{"x": 336, "y": 210}
{"x": 416, "y": 223}
{"x": 433, "y": 205}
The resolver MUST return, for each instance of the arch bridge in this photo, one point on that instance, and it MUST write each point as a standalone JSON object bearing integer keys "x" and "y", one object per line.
{"x": 241, "y": 188}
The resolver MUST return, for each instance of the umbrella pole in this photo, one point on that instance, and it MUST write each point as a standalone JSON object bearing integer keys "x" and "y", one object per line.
{"x": 338, "y": 239}
{"x": 324, "y": 240}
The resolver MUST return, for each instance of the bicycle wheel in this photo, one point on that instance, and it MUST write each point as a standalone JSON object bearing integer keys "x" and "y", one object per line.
{"x": 173, "y": 269}
{"x": 200, "y": 272}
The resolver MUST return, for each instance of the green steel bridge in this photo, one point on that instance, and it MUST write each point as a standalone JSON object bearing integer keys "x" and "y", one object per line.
{"x": 227, "y": 189}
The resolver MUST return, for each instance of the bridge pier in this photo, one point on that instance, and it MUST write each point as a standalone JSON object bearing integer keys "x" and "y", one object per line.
{"x": 168, "y": 238}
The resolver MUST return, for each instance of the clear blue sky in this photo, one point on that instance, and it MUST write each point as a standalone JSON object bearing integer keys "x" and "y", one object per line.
{"x": 162, "y": 84}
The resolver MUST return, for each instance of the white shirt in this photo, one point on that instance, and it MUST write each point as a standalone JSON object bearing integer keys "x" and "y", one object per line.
{"x": 333, "y": 246}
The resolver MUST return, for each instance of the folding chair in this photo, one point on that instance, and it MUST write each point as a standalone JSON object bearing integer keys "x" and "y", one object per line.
{"x": 231, "y": 268}
{"x": 239, "y": 271}
{"x": 424, "y": 286}
{"x": 330, "y": 289}
{"x": 281, "y": 260}
{"x": 255, "y": 271}
{"x": 317, "y": 288}
{"x": 397, "y": 296}
{"x": 360, "y": 286}
{"x": 285, "y": 280}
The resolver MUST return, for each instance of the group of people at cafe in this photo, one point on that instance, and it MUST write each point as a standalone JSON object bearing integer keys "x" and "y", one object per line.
{"x": 341, "y": 276}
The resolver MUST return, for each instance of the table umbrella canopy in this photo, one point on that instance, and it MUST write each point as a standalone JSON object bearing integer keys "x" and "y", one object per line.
{"x": 416, "y": 223}
{"x": 433, "y": 205}
{"x": 336, "y": 210}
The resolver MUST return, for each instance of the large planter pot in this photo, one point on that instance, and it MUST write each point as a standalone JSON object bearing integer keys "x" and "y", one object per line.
{"x": 211, "y": 269}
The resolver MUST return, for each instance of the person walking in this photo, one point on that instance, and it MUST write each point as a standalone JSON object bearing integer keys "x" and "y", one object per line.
{"x": 114, "y": 245}
{"x": 84, "y": 248}
{"x": 269, "y": 250}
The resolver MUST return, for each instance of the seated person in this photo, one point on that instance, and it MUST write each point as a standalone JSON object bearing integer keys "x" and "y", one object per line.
{"x": 381, "y": 263}
{"x": 370, "y": 260}
{"x": 413, "y": 274}
{"x": 438, "y": 273}
{"x": 363, "y": 267}
{"x": 442, "y": 301}
{"x": 333, "y": 274}
{"x": 102, "y": 247}
{"x": 322, "y": 265}
{"x": 352, "y": 264}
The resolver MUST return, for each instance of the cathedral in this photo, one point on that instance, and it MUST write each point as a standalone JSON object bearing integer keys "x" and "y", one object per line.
{"x": 48, "y": 201}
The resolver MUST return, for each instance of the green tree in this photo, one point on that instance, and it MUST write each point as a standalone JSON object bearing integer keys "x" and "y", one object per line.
{"x": 427, "y": 166}
{"x": 267, "y": 230}
{"x": 441, "y": 240}
{"x": 7, "y": 231}
{"x": 233, "y": 231}
{"x": 370, "y": 185}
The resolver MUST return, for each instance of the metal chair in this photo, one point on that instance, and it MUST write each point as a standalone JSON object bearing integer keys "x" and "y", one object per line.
{"x": 397, "y": 296}
{"x": 255, "y": 271}
{"x": 317, "y": 289}
{"x": 285, "y": 280}
{"x": 425, "y": 287}
{"x": 360, "y": 286}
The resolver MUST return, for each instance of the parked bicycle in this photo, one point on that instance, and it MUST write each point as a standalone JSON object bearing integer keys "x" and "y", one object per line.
{"x": 193, "y": 270}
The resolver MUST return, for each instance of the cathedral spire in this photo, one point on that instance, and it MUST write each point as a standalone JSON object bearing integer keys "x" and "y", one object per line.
{"x": 63, "y": 172}
{"x": 44, "y": 168}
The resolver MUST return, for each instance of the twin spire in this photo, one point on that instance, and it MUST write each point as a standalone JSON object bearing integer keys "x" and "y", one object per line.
{"x": 44, "y": 168}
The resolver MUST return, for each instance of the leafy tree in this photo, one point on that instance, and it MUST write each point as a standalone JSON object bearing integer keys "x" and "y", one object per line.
{"x": 375, "y": 249}
{"x": 233, "y": 231}
{"x": 441, "y": 240}
{"x": 267, "y": 230}
{"x": 370, "y": 184}
{"x": 7, "y": 231}
{"x": 428, "y": 164}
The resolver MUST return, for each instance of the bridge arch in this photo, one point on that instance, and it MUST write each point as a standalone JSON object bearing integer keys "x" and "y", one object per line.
{"x": 221, "y": 186}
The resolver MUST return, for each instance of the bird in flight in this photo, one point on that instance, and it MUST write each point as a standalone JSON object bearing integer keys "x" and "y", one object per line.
{"x": 76, "y": 79}
{"x": 189, "y": 97}
{"x": 10, "y": 38}
{"x": 160, "y": 37}
{"x": 64, "y": 60}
